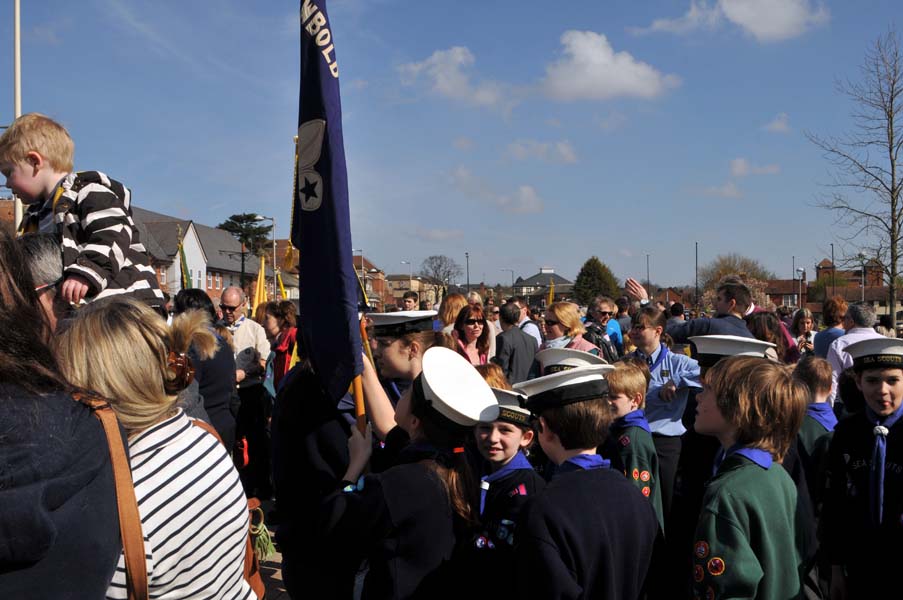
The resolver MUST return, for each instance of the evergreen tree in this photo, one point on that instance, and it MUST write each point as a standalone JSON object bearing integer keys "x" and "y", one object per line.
{"x": 594, "y": 279}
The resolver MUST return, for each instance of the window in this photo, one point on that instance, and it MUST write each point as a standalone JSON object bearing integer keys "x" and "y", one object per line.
{"x": 209, "y": 281}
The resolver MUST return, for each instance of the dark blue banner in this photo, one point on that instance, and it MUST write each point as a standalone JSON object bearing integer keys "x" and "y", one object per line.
{"x": 321, "y": 227}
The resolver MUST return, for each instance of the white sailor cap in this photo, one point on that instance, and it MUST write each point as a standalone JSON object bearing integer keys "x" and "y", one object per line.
{"x": 454, "y": 389}
{"x": 565, "y": 387}
{"x": 511, "y": 407}
{"x": 553, "y": 360}
{"x": 397, "y": 324}
{"x": 709, "y": 349}
{"x": 876, "y": 353}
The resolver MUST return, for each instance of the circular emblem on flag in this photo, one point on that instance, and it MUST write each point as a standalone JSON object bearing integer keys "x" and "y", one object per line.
{"x": 624, "y": 440}
{"x": 701, "y": 549}
{"x": 636, "y": 473}
{"x": 646, "y": 490}
{"x": 709, "y": 593}
{"x": 698, "y": 573}
{"x": 645, "y": 475}
{"x": 716, "y": 566}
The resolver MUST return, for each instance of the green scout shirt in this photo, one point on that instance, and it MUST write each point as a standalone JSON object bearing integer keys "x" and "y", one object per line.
{"x": 746, "y": 538}
{"x": 640, "y": 463}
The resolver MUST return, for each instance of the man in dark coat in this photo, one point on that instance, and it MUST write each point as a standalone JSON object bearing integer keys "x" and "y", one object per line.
{"x": 514, "y": 349}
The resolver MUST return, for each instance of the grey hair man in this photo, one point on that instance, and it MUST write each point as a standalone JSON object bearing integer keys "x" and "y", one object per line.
{"x": 858, "y": 323}
{"x": 45, "y": 261}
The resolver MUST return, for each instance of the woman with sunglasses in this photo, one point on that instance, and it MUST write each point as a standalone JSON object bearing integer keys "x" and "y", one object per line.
{"x": 472, "y": 334}
{"x": 672, "y": 377}
{"x": 565, "y": 330}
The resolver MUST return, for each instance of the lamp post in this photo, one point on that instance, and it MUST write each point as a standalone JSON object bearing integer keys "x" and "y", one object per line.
{"x": 273, "y": 219}
{"x": 512, "y": 279}
{"x": 467, "y": 260}
{"x": 697, "y": 276}
{"x": 833, "y": 269}
{"x": 648, "y": 282}
{"x": 802, "y": 273}
{"x": 353, "y": 250}
{"x": 862, "y": 279}
{"x": 410, "y": 274}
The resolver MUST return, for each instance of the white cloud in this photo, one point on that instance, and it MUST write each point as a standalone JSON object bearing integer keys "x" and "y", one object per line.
{"x": 358, "y": 84}
{"x": 728, "y": 190}
{"x": 740, "y": 167}
{"x": 437, "y": 235}
{"x": 592, "y": 70}
{"x": 700, "y": 16}
{"x": 765, "y": 20}
{"x": 780, "y": 124}
{"x": 555, "y": 152}
{"x": 625, "y": 253}
{"x": 462, "y": 143}
{"x": 445, "y": 74}
{"x": 524, "y": 200}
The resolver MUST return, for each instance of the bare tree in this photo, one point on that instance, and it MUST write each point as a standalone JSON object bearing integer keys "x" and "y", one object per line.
{"x": 865, "y": 193}
{"x": 440, "y": 269}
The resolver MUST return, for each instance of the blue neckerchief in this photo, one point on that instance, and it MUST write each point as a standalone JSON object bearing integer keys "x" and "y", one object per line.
{"x": 879, "y": 453}
{"x": 663, "y": 352}
{"x": 823, "y": 413}
{"x": 756, "y": 455}
{"x": 518, "y": 461}
{"x": 583, "y": 462}
{"x": 636, "y": 418}
{"x": 236, "y": 325}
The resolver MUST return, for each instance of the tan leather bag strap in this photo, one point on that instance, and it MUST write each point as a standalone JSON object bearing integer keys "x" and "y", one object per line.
{"x": 129, "y": 519}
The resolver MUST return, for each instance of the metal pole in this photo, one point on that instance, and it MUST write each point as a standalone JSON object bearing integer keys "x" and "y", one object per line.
{"x": 467, "y": 259}
{"x": 833, "y": 270}
{"x": 863, "y": 281}
{"x": 275, "y": 288}
{"x": 17, "y": 89}
{"x": 697, "y": 276}
{"x": 648, "y": 282}
{"x": 794, "y": 273}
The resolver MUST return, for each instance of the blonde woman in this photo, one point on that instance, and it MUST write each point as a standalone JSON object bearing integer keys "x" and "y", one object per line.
{"x": 564, "y": 328}
{"x": 193, "y": 510}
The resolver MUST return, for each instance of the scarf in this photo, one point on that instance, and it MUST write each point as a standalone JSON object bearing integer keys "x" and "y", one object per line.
{"x": 583, "y": 462}
{"x": 636, "y": 418}
{"x": 560, "y": 342}
{"x": 823, "y": 413}
{"x": 879, "y": 454}
{"x": 518, "y": 461}
{"x": 756, "y": 455}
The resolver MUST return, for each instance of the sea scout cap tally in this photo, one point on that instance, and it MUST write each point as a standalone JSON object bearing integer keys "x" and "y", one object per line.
{"x": 565, "y": 387}
{"x": 511, "y": 408}
{"x": 709, "y": 349}
{"x": 878, "y": 353}
{"x": 553, "y": 360}
{"x": 397, "y": 324}
{"x": 454, "y": 390}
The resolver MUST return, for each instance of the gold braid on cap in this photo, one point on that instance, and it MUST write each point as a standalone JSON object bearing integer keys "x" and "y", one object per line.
{"x": 180, "y": 364}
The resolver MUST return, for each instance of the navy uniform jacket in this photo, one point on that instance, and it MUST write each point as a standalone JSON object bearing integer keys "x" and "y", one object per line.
{"x": 871, "y": 553}
{"x": 717, "y": 325}
{"x": 590, "y": 534}
{"x": 402, "y": 522}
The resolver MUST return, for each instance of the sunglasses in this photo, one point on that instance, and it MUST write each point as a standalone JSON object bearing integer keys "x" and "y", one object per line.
{"x": 551, "y": 322}
{"x": 606, "y": 313}
{"x": 495, "y": 312}
{"x": 227, "y": 308}
{"x": 473, "y": 321}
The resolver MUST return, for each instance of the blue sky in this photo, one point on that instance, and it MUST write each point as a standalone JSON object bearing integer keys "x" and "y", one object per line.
{"x": 526, "y": 133}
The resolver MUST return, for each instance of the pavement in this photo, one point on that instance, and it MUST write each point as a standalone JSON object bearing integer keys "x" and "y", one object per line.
{"x": 271, "y": 570}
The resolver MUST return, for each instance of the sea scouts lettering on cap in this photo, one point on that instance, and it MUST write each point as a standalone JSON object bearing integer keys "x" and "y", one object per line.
{"x": 716, "y": 566}
{"x": 314, "y": 22}
{"x": 701, "y": 549}
{"x": 644, "y": 476}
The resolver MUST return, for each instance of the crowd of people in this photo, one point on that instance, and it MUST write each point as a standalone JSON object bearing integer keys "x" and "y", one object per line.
{"x": 619, "y": 450}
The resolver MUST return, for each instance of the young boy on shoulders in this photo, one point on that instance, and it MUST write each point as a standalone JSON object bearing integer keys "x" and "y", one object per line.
{"x": 748, "y": 534}
{"x": 633, "y": 437}
{"x": 591, "y": 533}
{"x": 862, "y": 519}
{"x": 89, "y": 213}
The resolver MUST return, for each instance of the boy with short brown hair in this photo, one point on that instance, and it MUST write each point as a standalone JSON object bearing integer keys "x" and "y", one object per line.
{"x": 88, "y": 212}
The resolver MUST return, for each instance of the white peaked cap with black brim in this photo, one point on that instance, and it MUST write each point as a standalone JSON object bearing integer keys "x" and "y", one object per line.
{"x": 397, "y": 324}
{"x": 512, "y": 407}
{"x": 455, "y": 390}
{"x": 709, "y": 349}
{"x": 877, "y": 353}
{"x": 554, "y": 360}
{"x": 565, "y": 387}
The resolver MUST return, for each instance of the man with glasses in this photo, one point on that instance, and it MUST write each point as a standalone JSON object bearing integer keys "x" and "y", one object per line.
{"x": 529, "y": 327}
{"x": 858, "y": 325}
{"x": 602, "y": 330}
{"x": 45, "y": 261}
{"x": 251, "y": 348}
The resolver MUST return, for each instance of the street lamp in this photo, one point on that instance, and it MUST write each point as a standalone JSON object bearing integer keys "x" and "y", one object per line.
{"x": 353, "y": 250}
{"x": 512, "y": 279}
{"x": 802, "y": 273}
{"x": 410, "y": 274}
{"x": 862, "y": 280}
{"x": 273, "y": 219}
{"x": 467, "y": 260}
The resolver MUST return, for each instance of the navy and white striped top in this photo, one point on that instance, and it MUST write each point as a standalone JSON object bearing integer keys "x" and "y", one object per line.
{"x": 193, "y": 512}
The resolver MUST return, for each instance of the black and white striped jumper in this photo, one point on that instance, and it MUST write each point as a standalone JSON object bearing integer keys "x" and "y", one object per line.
{"x": 193, "y": 512}
{"x": 92, "y": 216}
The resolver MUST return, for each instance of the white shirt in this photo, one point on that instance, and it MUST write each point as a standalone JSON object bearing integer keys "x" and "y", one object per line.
{"x": 838, "y": 357}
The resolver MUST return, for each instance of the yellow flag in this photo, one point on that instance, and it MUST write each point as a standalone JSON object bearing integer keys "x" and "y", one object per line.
{"x": 551, "y": 292}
